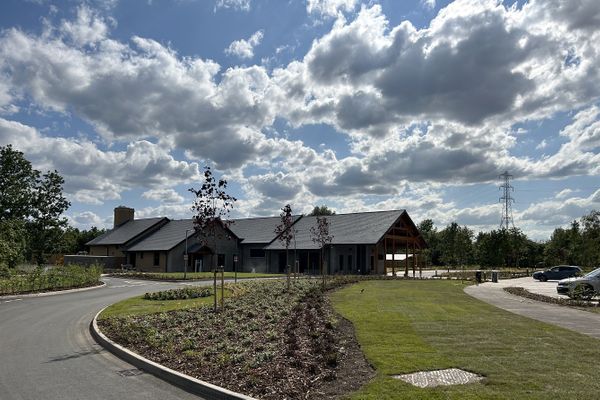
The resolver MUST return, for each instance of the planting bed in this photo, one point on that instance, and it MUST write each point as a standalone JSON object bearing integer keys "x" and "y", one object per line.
{"x": 269, "y": 343}
{"x": 581, "y": 304}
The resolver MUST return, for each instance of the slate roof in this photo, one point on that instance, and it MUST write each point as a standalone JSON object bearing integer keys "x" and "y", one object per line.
{"x": 250, "y": 230}
{"x": 125, "y": 232}
{"x": 356, "y": 228}
{"x": 256, "y": 230}
{"x": 167, "y": 237}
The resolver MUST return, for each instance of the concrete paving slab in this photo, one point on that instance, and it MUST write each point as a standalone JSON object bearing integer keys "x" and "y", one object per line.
{"x": 585, "y": 322}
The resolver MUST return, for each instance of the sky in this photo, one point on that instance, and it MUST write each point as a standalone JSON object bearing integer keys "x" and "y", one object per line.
{"x": 358, "y": 105}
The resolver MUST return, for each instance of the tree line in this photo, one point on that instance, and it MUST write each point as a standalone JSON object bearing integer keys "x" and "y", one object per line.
{"x": 456, "y": 246}
{"x": 31, "y": 206}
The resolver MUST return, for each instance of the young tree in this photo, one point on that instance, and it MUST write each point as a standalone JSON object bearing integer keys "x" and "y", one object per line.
{"x": 320, "y": 235}
{"x": 211, "y": 208}
{"x": 285, "y": 235}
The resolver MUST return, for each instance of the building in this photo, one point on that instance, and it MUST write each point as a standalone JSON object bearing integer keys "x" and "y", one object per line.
{"x": 362, "y": 243}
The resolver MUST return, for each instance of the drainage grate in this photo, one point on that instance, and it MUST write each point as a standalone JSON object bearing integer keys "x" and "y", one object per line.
{"x": 130, "y": 372}
{"x": 442, "y": 377}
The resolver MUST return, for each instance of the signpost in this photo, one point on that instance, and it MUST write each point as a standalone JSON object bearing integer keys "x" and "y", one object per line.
{"x": 235, "y": 260}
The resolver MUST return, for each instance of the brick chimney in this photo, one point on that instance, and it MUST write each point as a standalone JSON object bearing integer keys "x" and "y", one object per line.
{"x": 122, "y": 215}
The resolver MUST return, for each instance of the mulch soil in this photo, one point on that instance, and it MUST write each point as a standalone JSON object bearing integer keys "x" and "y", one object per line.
{"x": 268, "y": 343}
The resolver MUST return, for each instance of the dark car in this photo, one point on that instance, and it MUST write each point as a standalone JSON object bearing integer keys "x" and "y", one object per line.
{"x": 557, "y": 273}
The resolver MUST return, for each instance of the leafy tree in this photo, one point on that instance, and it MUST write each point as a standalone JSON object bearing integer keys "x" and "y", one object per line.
{"x": 320, "y": 236}
{"x": 456, "y": 244}
{"x": 590, "y": 239}
{"x": 35, "y": 200}
{"x": 211, "y": 208}
{"x": 321, "y": 211}
{"x": 12, "y": 242}
{"x": 431, "y": 236}
{"x": 74, "y": 240}
{"x": 46, "y": 226}
{"x": 17, "y": 182}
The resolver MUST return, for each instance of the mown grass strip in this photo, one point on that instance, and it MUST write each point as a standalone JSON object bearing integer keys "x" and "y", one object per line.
{"x": 179, "y": 276}
{"x": 408, "y": 326}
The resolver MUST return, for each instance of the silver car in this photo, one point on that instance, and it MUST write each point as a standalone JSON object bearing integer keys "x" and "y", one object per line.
{"x": 584, "y": 287}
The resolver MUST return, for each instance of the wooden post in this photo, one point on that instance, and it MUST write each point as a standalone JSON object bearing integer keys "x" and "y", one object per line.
{"x": 385, "y": 256}
{"x": 393, "y": 257}
{"x": 406, "y": 261}
{"x": 215, "y": 287}
{"x": 413, "y": 259}
{"x": 222, "y": 288}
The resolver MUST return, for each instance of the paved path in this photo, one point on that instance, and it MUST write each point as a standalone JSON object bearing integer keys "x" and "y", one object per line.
{"x": 584, "y": 322}
{"x": 47, "y": 352}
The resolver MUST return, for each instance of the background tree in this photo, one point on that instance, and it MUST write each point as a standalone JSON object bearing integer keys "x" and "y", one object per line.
{"x": 46, "y": 226}
{"x": 34, "y": 201}
{"x": 12, "y": 242}
{"x": 590, "y": 239}
{"x": 211, "y": 208}
{"x": 456, "y": 245}
{"x": 320, "y": 235}
{"x": 321, "y": 211}
{"x": 74, "y": 239}
{"x": 430, "y": 234}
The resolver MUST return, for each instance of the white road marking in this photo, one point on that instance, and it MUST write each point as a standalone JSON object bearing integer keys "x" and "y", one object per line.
{"x": 10, "y": 301}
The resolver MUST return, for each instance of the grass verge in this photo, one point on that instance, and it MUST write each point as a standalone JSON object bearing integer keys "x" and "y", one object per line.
{"x": 178, "y": 276}
{"x": 409, "y": 326}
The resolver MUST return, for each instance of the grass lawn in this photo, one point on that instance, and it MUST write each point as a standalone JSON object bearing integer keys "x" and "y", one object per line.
{"x": 176, "y": 276}
{"x": 409, "y": 326}
{"x": 138, "y": 305}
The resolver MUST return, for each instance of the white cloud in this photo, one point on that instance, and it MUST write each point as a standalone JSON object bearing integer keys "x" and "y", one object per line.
{"x": 239, "y": 5}
{"x": 329, "y": 8}
{"x": 563, "y": 193}
{"x": 91, "y": 175}
{"x": 429, "y": 4}
{"x": 163, "y": 196}
{"x": 85, "y": 220}
{"x": 542, "y": 145}
{"x": 244, "y": 48}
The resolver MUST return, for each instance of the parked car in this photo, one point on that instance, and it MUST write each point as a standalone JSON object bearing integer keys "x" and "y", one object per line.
{"x": 584, "y": 287}
{"x": 558, "y": 272}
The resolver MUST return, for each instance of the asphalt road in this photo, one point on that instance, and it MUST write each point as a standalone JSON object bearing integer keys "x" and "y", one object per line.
{"x": 47, "y": 352}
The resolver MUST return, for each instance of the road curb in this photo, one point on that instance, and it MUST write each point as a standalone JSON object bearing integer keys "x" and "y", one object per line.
{"x": 186, "y": 382}
{"x": 53, "y": 293}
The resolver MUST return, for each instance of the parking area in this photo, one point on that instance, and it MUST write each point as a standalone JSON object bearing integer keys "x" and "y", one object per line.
{"x": 547, "y": 288}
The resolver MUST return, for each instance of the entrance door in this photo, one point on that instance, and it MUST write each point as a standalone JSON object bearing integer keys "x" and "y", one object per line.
{"x": 282, "y": 267}
{"x": 198, "y": 264}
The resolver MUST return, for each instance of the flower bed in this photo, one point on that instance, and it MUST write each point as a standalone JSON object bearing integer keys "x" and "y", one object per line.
{"x": 48, "y": 279}
{"x": 268, "y": 343}
{"x": 518, "y": 291}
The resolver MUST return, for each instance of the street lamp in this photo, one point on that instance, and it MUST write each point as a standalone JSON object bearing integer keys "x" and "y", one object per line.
{"x": 185, "y": 256}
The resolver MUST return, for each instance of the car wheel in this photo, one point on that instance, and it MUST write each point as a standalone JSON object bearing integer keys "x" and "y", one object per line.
{"x": 543, "y": 278}
{"x": 583, "y": 292}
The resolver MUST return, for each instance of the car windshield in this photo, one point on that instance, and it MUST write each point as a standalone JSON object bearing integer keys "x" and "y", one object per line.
{"x": 594, "y": 274}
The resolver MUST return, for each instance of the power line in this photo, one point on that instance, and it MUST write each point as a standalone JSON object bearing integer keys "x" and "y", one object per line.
{"x": 507, "y": 217}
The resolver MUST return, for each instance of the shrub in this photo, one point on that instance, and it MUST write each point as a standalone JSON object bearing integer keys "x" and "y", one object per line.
{"x": 179, "y": 294}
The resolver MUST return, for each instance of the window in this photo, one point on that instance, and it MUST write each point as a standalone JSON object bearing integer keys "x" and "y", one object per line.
{"x": 220, "y": 260}
{"x": 341, "y": 262}
{"x": 350, "y": 266}
{"x": 156, "y": 258}
{"x": 257, "y": 253}
{"x": 142, "y": 254}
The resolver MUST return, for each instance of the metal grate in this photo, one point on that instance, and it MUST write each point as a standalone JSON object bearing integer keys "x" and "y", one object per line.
{"x": 442, "y": 377}
{"x": 130, "y": 372}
